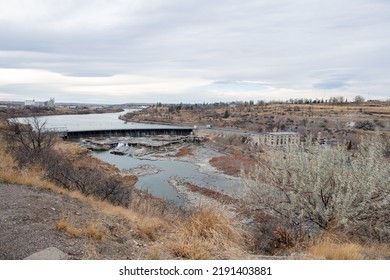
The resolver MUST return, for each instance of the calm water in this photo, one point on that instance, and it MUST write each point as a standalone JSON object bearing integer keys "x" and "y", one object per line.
{"x": 156, "y": 184}
{"x": 92, "y": 122}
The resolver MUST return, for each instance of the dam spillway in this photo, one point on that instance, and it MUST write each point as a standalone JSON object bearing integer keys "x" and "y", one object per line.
{"x": 132, "y": 132}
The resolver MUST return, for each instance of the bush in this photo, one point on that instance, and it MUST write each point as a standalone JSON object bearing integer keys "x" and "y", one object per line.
{"x": 87, "y": 180}
{"x": 31, "y": 144}
{"x": 365, "y": 125}
{"x": 28, "y": 141}
{"x": 314, "y": 187}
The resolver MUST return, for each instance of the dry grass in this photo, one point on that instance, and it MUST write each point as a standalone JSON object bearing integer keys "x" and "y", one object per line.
{"x": 330, "y": 247}
{"x": 377, "y": 251}
{"x": 93, "y": 230}
{"x": 185, "y": 151}
{"x": 234, "y": 164}
{"x": 212, "y": 225}
{"x": 70, "y": 149}
{"x": 151, "y": 228}
{"x": 11, "y": 174}
{"x": 65, "y": 225}
{"x": 192, "y": 249}
{"x": 326, "y": 250}
{"x": 208, "y": 234}
{"x": 223, "y": 198}
{"x": 91, "y": 252}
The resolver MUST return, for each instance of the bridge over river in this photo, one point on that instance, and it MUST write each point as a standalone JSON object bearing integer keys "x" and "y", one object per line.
{"x": 138, "y": 131}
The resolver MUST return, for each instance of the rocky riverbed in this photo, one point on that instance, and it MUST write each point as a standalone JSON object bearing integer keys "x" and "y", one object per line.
{"x": 126, "y": 145}
{"x": 174, "y": 163}
{"x": 142, "y": 170}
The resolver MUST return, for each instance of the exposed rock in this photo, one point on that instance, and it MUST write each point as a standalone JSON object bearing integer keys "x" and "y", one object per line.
{"x": 142, "y": 170}
{"x": 51, "y": 253}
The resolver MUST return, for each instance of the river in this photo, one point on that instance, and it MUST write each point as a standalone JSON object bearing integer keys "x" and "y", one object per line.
{"x": 92, "y": 122}
{"x": 156, "y": 184}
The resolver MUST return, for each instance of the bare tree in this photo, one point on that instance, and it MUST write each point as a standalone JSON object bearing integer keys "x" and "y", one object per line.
{"x": 29, "y": 140}
{"x": 89, "y": 181}
{"x": 359, "y": 99}
{"x": 32, "y": 143}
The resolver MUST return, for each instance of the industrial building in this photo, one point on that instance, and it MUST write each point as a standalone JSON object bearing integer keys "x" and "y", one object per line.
{"x": 48, "y": 104}
{"x": 275, "y": 139}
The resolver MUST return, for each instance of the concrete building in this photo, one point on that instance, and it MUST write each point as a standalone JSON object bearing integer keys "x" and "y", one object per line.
{"x": 275, "y": 139}
{"x": 30, "y": 103}
{"x": 281, "y": 139}
{"x": 49, "y": 104}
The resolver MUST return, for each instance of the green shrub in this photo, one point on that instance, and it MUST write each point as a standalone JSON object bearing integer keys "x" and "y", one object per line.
{"x": 312, "y": 186}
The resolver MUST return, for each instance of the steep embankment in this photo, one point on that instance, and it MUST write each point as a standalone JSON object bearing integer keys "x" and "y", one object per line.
{"x": 32, "y": 219}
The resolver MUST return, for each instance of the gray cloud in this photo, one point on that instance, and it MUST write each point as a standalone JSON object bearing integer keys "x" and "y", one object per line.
{"x": 332, "y": 84}
{"x": 341, "y": 46}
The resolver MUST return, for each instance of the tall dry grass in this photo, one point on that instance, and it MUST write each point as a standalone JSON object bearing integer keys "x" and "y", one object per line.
{"x": 93, "y": 230}
{"x": 207, "y": 234}
{"x": 10, "y": 173}
{"x": 332, "y": 247}
{"x": 329, "y": 248}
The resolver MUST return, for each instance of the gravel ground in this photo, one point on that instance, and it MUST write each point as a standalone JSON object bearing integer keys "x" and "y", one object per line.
{"x": 28, "y": 218}
{"x": 194, "y": 200}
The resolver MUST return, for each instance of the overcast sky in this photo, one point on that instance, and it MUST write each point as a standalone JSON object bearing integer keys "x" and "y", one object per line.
{"x": 120, "y": 51}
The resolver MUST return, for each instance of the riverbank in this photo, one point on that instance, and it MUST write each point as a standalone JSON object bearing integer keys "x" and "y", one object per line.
{"x": 28, "y": 111}
{"x": 156, "y": 166}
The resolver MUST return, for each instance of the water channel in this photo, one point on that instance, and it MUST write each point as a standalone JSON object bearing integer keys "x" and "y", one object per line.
{"x": 157, "y": 184}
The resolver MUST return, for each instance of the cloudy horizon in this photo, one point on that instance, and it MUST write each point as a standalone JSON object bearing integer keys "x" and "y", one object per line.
{"x": 173, "y": 51}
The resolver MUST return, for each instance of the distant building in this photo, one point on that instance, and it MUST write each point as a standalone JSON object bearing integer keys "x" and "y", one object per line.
{"x": 281, "y": 139}
{"x": 275, "y": 139}
{"x": 48, "y": 104}
{"x": 30, "y": 103}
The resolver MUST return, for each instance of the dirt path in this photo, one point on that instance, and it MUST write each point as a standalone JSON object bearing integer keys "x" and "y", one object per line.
{"x": 28, "y": 218}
